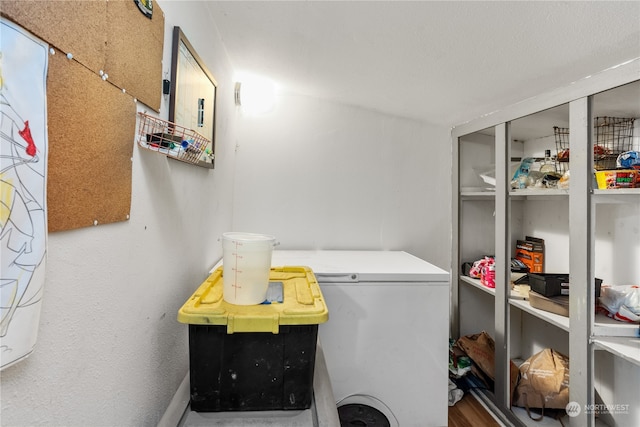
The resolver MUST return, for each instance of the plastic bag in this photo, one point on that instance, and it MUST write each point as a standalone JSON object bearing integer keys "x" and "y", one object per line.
{"x": 484, "y": 269}
{"x": 455, "y": 394}
{"x": 628, "y": 159}
{"x": 563, "y": 183}
{"x": 621, "y": 302}
{"x": 521, "y": 176}
{"x": 459, "y": 362}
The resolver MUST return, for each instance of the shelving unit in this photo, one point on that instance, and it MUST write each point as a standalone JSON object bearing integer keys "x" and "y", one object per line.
{"x": 584, "y": 230}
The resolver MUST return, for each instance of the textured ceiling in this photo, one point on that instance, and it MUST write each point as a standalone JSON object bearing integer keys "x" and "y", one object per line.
{"x": 441, "y": 62}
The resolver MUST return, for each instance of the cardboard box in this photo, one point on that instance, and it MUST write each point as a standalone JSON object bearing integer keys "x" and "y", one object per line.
{"x": 558, "y": 305}
{"x": 619, "y": 178}
{"x": 531, "y": 252}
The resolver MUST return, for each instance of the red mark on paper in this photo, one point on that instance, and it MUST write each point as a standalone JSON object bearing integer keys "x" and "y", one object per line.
{"x": 26, "y": 135}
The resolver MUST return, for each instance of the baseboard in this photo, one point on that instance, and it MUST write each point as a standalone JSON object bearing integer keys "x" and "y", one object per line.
{"x": 177, "y": 406}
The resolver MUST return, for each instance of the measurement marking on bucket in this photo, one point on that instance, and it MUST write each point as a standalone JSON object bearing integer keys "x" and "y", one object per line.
{"x": 247, "y": 260}
{"x": 235, "y": 285}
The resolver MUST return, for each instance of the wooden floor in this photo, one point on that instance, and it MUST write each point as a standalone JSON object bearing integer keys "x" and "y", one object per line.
{"x": 468, "y": 412}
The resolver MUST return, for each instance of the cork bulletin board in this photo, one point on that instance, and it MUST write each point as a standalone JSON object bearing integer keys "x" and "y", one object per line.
{"x": 134, "y": 51}
{"x": 90, "y": 155}
{"x": 107, "y": 55}
{"x": 78, "y": 27}
{"x": 108, "y": 36}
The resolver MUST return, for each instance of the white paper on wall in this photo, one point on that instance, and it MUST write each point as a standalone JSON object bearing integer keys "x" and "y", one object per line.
{"x": 23, "y": 172}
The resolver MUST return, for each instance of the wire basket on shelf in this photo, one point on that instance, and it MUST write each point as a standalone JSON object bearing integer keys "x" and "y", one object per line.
{"x": 562, "y": 148}
{"x": 613, "y": 136}
{"x": 171, "y": 139}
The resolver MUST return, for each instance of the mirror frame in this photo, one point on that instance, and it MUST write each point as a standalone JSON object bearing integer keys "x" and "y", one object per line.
{"x": 181, "y": 76}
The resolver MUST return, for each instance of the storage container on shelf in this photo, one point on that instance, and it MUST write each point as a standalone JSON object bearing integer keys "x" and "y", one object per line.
{"x": 552, "y": 284}
{"x": 257, "y": 357}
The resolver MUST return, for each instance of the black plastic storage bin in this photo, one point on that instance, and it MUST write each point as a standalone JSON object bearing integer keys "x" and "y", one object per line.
{"x": 250, "y": 371}
{"x": 254, "y": 357}
{"x": 551, "y": 284}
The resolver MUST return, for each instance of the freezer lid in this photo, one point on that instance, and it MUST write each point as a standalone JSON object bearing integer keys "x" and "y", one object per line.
{"x": 360, "y": 266}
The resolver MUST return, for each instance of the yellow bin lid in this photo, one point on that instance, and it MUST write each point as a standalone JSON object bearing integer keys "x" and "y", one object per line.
{"x": 302, "y": 304}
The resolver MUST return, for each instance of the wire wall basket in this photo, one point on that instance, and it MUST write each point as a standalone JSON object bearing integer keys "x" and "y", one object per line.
{"x": 171, "y": 139}
{"x": 613, "y": 136}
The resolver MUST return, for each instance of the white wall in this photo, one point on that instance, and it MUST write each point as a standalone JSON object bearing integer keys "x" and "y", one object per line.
{"x": 110, "y": 351}
{"x": 320, "y": 175}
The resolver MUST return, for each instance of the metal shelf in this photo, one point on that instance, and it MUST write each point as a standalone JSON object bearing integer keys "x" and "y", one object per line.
{"x": 552, "y": 318}
{"x": 477, "y": 195}
{"x": 604, "y": 327}
{"x": 539, "y": 192}
{"x": 620, "y": 195}
{"x": 626, "y": 348}
{"x": 607, "y": 327}
{"x": 476, "y": 284}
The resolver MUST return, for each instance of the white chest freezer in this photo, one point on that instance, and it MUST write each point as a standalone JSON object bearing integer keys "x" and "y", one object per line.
{"x": 386, "y": 341}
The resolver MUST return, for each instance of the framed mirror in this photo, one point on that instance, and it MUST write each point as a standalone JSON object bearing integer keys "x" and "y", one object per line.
{"x": 192, "y": 98}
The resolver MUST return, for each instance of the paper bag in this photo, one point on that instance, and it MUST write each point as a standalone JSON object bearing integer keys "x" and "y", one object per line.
{"x": 481, "y": 349}
{"x": 544, "y": 381}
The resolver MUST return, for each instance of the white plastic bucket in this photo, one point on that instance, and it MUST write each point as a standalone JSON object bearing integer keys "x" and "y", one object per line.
{"x": 246, "y": 262}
